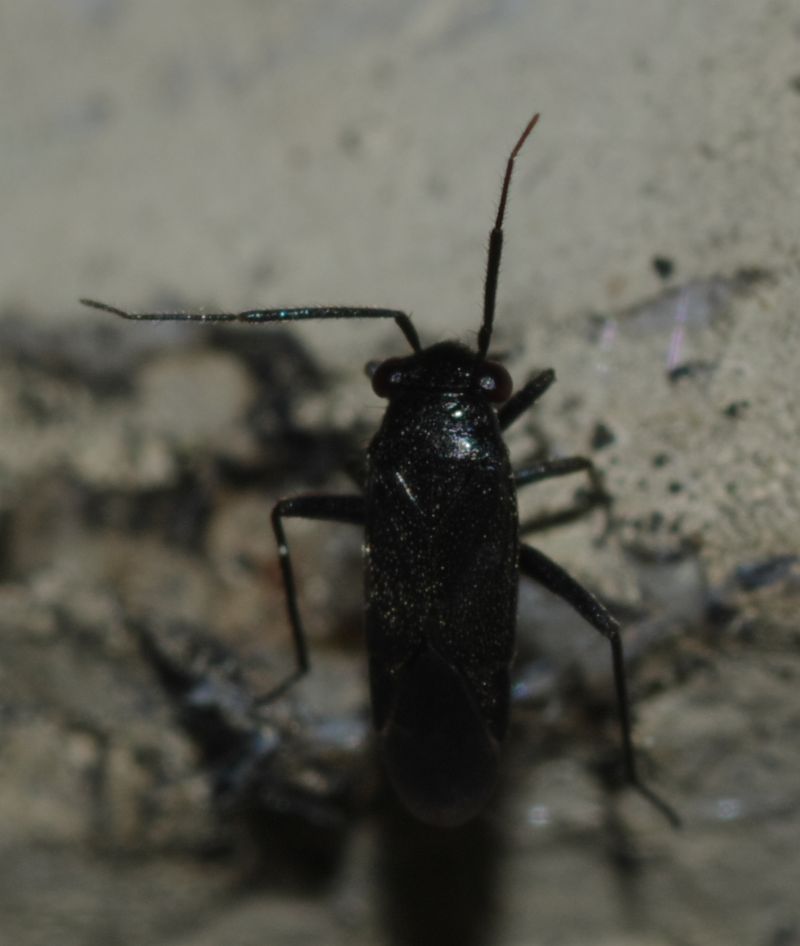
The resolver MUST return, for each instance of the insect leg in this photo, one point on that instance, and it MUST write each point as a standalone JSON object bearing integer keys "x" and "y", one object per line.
{"x": 349, "y": 509}
{"x": 524, "y": 398}
{"x": 547, "y": 573}
{"x": 256, "y": 316}
{"x": 584, "y": 502}
{"x": 547, "y": 469}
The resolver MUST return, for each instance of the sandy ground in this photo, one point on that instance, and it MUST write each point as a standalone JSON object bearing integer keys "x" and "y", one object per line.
{"x": 241, "y": 154}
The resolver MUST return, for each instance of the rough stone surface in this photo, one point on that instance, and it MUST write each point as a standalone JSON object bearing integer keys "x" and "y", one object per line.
{"x": 239, "y": 154}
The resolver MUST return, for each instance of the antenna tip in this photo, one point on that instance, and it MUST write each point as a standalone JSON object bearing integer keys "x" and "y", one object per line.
{"x": 528, "y": 129}
{"x": 104, "y": 307}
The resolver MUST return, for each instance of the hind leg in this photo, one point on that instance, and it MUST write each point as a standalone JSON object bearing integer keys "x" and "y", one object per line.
{"x": 554, "y": 578}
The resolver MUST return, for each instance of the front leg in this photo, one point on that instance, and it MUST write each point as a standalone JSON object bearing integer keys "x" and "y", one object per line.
{"x": 525, "y": 398}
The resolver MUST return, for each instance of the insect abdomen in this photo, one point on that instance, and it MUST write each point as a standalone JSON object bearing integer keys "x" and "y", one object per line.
{"x": 438, "y": 752}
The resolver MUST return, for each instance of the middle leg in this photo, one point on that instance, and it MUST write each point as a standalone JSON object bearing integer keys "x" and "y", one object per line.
{"x": 585, "y": 501}
{"x": 349, "y": 509}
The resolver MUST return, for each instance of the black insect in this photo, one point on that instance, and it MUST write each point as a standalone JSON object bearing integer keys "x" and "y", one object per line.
{"x": 443, "y": 555}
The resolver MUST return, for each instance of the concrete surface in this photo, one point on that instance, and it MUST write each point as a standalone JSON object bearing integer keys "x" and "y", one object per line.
{"x": 241, "y": 154}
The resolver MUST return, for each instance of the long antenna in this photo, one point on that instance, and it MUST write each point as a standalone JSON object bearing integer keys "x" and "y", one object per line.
{"x": 253, "y": 316}
{"x": 496, "y": 248}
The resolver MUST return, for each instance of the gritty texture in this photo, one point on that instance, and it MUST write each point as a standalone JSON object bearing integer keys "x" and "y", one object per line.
{"x": 239, "y": 154}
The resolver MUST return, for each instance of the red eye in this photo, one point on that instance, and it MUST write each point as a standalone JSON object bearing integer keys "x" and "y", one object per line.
{"x": 386, "y": 376}
{"x": 496, "y": 382}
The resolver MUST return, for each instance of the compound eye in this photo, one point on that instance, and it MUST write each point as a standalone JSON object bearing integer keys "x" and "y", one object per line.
{"x": 496, "y": 382}
{"x": 386, "y": 377}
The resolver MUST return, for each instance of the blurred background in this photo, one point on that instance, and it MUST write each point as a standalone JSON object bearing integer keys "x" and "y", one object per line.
{"x": 199, "y": 154}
